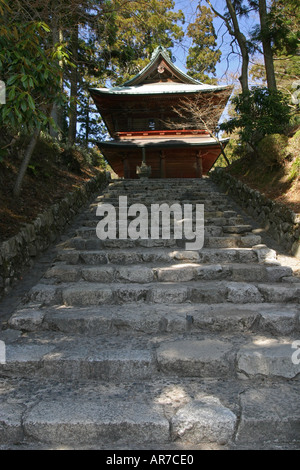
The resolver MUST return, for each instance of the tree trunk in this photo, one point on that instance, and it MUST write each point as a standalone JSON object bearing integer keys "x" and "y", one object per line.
{"x": 57, "y": 112}
{"x": 87, "y": 124}
{"x": 267, "y": 48}
{"x": 242, "y": 42}
{"x": 74, "y": 87}
{"x": 25, "y": 162}
{"x": 236, "y": 33}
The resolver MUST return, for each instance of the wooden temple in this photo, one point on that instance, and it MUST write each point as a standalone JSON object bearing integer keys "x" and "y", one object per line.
{"x": 146, "y": 130}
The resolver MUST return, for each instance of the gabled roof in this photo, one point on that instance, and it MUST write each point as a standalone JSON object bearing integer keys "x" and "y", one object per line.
{"x": 159, "y": 77}
{"x": 161, "y": 68}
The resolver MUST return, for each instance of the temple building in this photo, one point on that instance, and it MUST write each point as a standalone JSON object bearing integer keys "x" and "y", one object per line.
{"x": 147, "y": 135}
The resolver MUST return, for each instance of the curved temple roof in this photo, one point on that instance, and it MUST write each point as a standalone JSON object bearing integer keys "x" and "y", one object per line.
{"x": 160, "y": 76}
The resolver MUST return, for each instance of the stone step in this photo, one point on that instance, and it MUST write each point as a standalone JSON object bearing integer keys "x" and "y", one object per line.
{"x": 226, "y": 223}
{"x": 143, "y": 343}
{"x": 179, "y": 273}
{"x": 260, "y": 254}
{"x": 191, "y": 195}
{"x": 164, "y": 191}
{"x": 209, "y": 206}
{"x": 124, "y": 358}
{"x": 164, "y": 230}
{"x": 226, "y": 216}
{"x": 267, "y": 318}
{"x": 171, "y": 414}
{"x": 85, "y": 293}
{"x": 148, "y": 202}
{"x": 231, "y": 225}
{"x": 94, "y": 243}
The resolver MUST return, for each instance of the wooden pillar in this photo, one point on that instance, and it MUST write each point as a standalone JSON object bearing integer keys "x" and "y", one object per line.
{"x": 198, "y": 164}
{"x": 162, "y": 164}
{"x": 126, "y": 167}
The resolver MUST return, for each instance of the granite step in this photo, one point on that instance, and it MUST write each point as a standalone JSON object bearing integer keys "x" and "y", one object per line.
{"x": 84, "y": 293}
{"x": 144, "y": 343}
{"x": 266, "y": 318}
{"x": 94, "y": 243}
{"x": 123, "y": 358}
{"x": 62, "y": 272}
{"x": 258, "y": 253}
{"x": 170, "y": 414}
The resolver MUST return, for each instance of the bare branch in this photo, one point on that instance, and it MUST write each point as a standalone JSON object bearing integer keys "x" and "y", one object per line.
{"x": 202, "y": 112}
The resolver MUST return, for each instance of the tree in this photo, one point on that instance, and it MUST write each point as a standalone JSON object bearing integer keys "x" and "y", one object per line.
{"x": 203, "y": 111}
{"x": 266, "y": 43}
{"x": 258, "y": 113}
{"x": 284, "y": 27}
{"x": 28, "y": 66}
{"x": 231, "y": 21}
{"x": 283, "y": 20}
{"x": 203, "y": 55}
{"x": 140, "y": 26}
{"x": 91, "y": 126}
{"x": 262, "y": 35}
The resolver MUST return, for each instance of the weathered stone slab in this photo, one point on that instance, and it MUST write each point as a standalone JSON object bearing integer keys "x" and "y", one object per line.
{"x": 268, "y": 357}
{"x": 194, "y": 357}
{"x": 140, "y": 274}
{"x": 11, "y": 429}
{"x": 98, "y": 274}
{"x": 64, "y": 273}
{"x": 240, "y": 292}
{"x": 105, "y": 420}
{"x": 168, "y": 294}
{"x": 44, "y": 293}
{"x": 177, "y": 273}
{"x": 27, "y": 319}
{"x": 86, "y": 294}
{"x": 269, "y": 414}
{"x": 204, "y": 420}
{"x": 280, "y": 293}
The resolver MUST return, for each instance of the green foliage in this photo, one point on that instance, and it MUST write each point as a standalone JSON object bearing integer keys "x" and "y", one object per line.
{"x": 272, "y": 150}
{"x": 139, "y": 27}
{"x": 284, "y": 21}
{"x": 29, "y": 69}
{"x": 49, "y": 151}
{"x": 259, "y": 112}
{"x": 203, "y": 55}
{"x": 294, "y": 145}
{"x": 294, "y": 170}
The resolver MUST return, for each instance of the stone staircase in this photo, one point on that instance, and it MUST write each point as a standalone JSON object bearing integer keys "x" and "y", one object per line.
{"x": 142, "y": 344}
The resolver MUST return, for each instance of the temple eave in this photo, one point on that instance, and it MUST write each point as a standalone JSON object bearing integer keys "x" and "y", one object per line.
{"x": 159, "y": 143}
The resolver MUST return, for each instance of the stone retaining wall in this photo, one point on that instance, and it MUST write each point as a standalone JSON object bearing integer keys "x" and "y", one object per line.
{"x": 18, "y": 252}
{"x": 281, "y": 223}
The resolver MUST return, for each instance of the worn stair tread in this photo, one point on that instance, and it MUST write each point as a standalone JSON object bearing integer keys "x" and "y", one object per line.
{"x": 161, "y": 412}
{"x": 273, "y": 318}
{"x": 86, "y": 293}
{"x": 111, "y": 357}
{"x": 159, "y": 272}
{"x": 125, "y": 343}
{"x": 136, "y": 254}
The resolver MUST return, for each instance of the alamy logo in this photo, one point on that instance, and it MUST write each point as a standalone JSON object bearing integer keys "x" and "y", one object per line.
{"x": 296, "y": 354}
{"x": 188, "y": 223}
{"x": 2, "y": 92}
{"x": 2, "y": 352}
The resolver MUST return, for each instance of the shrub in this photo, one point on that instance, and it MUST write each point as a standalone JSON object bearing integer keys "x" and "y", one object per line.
{"x": 272, "y": 149}
{"x": 259, "y": 112}
{"x": 294, "y": 170}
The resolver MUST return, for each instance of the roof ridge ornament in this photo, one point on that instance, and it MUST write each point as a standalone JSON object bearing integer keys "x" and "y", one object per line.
{"x": 157, "y": 50}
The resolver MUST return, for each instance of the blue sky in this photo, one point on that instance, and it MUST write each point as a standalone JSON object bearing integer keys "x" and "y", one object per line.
{"x": 224, "y": 68}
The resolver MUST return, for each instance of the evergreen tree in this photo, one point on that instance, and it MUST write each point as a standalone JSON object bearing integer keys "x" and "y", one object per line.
{"x": 204, "y": 54}
{"x": 140, "y": 26}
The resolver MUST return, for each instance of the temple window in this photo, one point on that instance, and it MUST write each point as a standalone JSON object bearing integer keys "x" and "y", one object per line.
{"x": 151, "y": 124}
